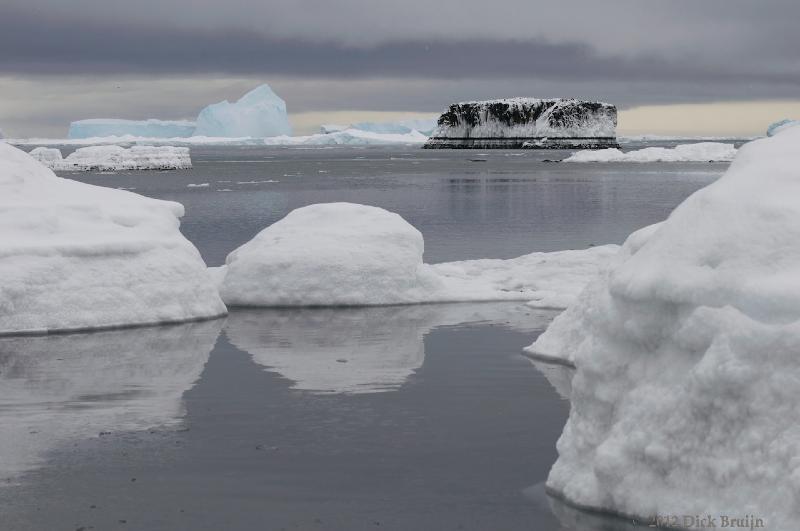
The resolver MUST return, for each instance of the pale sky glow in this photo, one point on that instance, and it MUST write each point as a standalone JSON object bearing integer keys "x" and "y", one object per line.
{"x": 733, "y": 61}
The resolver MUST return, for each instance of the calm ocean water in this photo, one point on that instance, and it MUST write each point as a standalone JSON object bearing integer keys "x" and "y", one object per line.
{"x": 423, "y": 418}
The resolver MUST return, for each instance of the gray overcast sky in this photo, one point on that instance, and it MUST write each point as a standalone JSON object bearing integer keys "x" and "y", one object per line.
{"x": 61, "y": 61}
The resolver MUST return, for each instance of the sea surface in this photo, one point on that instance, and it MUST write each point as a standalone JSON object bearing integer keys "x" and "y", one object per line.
{"x": 401, "y": 418}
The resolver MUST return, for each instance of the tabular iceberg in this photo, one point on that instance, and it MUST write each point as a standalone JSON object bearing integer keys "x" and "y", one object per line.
{"x": 105, "y": 127}
{"x": 343, "y": 254}
{"x": 686, "y": 398}
{"x": 260, "y": 113}
{"x": 699, "y": 152}
{"x": 76, "y": 256}
{"x": 115, "y": 158}
{"x": 526, "y": 123}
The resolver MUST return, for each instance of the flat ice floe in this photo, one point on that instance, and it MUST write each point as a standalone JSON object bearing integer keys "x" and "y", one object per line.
{"x": 686, "y": 398}
{"x": 115, "y": 158}
{"x": 699, "y": 152}
{"x": 76, "y": 256}
{"x": 343, "y": 254}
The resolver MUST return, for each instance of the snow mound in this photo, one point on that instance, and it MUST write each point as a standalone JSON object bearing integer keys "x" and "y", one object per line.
{"x": 686, "y": 395}
{"x": 699, "y": 152}
{"x": 259, "y": 113}
{"x": 115, "y": 158}
{"x": 775, "y": 128}
{"x": 76, "y": 256}
{"x": 343, "y": 254}
{"x": 104, "y": 127}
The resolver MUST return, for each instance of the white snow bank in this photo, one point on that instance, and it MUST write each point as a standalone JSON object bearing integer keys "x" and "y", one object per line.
{"x": 115, "y": 158}
{"x": 343, "y": 254}
{"x": 68, "y": 387}
{"x": 359, "y": 350}
{"x": 686, "y": 398}
{"x": 700, "y": 152}
{"x": 259, "y": 113}
{"x": 76, "y": 256}
{"x": 424, "y": 126}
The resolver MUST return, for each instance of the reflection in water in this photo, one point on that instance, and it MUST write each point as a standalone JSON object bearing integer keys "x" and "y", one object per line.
{"x": 62, "y": 387}
{"x": 358, "y": 350}
{"x": 572, "y": 519}
{"x": 559, "y": 375}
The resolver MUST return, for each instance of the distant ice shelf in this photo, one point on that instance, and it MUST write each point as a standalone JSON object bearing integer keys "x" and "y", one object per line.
{"x": 104, "y": 127}
{"x": 115, "y": 158}
{"x": 526, "y": 123}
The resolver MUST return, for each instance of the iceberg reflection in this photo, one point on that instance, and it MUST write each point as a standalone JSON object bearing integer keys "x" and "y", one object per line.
{"x": 358, "y": 350}
{"x": 58, "y": 388}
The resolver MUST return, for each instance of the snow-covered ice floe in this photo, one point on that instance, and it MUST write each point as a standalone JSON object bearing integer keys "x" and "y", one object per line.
{"x": 343, "y": 254}
{"x": 115, "y": 158}
{"x": 76, "y": 256}
{"x": 425, "y": 126}
{"x": 686, "y": 398}
{"x": 699, "y": 152}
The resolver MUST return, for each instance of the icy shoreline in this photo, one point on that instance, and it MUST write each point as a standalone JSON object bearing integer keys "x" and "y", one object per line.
{"x": 115, "y": 158}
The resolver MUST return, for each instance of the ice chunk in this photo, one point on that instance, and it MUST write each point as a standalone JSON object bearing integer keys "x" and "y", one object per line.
{"x": 76, "y": 256}
{"x": 104, "y": 127}
{"x": 115, "y": 158}
{"x": 526, "y": 122}
{"x": 686, "y": 398}
{"x": 343, "y": 254}
{"x": 773, "y": 129}
{"x": 332, "y": 128}
{"x": 259, "y": 113}
{"x": 699, "y": 152}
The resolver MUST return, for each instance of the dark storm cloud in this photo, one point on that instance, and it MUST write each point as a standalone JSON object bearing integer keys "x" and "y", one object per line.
{"x": 36, "y": 43}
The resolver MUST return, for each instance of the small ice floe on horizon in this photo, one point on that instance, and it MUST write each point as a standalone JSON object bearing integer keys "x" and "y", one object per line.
{"x": 198, "y": 185}
{"x": 686, "y": 397}
{"x": 344, "y": 254}
{"x": 115, "y": 158}
{"x": 700, "y": 152}
{"x": 775, "y": 128}
{"x": 258, "y": 182}
{"x": 77, "y": 256}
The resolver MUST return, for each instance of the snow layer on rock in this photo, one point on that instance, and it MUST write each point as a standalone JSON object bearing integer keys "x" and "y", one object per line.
{"x": 775, "y": 128}
{"x": 115, "y": 158}
{"x": 685, "y": 399}
{"x": 67, "y": 387}
{"x": 103, "y": 127}
{"x": 358, "y": 350}
{"x": 75, "y": 256}
{"x": 259, "y": 113}
{"x": 342, "y": 254}
{"x": 700, "y": 152}
{"x": 527, "y": 118}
